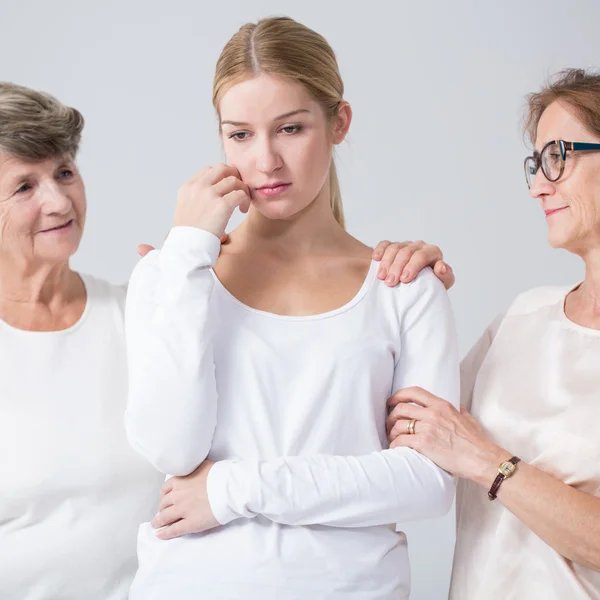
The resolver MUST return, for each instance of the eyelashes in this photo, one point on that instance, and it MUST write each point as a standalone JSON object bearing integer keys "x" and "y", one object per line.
{"x": 63, "y": 174}
{"x": 241, "y": 136}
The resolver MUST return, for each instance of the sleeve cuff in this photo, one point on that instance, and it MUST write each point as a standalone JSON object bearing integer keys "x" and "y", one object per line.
{"x": 184, "y": 264}
{"x": 217, "y": 487}
{"x": 193, "y": 246}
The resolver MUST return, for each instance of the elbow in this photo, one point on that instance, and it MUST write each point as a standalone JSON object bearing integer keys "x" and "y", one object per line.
{"x": 439, "y": 494}
{"x": 168, "y": 456}
{"x": 445, "y": 495}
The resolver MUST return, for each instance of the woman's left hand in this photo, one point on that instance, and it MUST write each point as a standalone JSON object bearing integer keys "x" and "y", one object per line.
{"x": 452, "y": 439}
{"x": 184, "y": 506}
{"x": 402, "y": 262}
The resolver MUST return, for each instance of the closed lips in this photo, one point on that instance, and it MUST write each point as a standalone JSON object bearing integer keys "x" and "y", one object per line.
{"x": 272, "y": 186}
{"x": 61, "y": 226}
{"x": 553, "y": 210}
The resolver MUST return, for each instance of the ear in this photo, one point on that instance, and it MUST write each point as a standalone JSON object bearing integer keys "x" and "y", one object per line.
{"x": 341, "y": 123}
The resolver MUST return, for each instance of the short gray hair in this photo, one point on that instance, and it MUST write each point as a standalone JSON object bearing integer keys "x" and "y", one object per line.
{"x": 36, "y": 126}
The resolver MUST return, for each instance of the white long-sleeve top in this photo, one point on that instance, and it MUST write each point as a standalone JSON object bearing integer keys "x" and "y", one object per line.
{"x": 294, "y": 410}
{"x": 72, "y": 491}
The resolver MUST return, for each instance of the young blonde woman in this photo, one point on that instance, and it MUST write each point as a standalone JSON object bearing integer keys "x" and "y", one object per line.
{"x": 263, "y": 367}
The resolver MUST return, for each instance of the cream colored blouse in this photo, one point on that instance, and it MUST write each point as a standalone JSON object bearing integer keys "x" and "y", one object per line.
{"x": 533, "y": 382}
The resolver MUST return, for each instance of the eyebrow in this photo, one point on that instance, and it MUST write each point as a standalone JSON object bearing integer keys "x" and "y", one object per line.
{"x": 24, "y": 175}
{"x": 279, "y": 118}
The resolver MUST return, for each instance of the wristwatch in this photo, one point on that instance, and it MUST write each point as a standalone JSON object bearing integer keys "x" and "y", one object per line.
{"x": 505, "y": 470}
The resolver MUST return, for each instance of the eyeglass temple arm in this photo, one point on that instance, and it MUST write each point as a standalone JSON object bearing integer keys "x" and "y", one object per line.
{"x": 582, "y": 146}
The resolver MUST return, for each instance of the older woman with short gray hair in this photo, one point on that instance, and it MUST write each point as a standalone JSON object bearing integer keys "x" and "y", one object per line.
{"x": 72, "y": 492}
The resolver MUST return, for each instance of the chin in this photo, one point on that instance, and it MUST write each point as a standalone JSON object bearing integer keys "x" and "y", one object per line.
{"x": 565, "y": 240}
{"x": 279, "y": 210}
{"x": 555, "y": 242}
{"x": 58, "y": 252}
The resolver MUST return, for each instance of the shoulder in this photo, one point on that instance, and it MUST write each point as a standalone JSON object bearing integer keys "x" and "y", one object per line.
{"x": 424, "y": 288}
{"x": 424, "y": 285}
{"x": 537, "y": 298}
{"x": 426, "y": 280}
{"x": 423, "y": 298}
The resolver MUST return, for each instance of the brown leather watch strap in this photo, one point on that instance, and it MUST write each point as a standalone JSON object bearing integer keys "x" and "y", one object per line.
{"x": 500, "y": 478}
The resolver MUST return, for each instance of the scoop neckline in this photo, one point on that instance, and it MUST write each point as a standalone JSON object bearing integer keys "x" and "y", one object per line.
{"x": 364, "y": 288}
{"x": 571, "y": 324}
{"x": 58, "y": 332}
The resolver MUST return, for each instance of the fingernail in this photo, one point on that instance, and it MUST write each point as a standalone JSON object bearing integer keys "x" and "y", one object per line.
{"x": 405, "y": 275}
{"x": 443, "y": 269}
{"x": 390, "y": 279}
{"x": 381, "y": 273}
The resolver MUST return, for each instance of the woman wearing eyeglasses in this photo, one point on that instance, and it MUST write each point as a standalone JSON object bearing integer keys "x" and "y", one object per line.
{"x": 528, "y": 452}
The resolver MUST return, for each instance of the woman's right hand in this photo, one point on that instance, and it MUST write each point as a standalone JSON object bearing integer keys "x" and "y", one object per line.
{"x": 208, "y": 199}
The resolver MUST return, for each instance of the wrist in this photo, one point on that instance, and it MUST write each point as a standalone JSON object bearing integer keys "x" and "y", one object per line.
{"x": 217, "y": 483}
{"x": 486, "y": 470}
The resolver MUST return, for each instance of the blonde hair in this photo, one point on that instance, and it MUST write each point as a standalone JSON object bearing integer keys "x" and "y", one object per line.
{"x": 281, "y": 46}
{"x": 36, "y": 126}
{"x": 578, "y": 88}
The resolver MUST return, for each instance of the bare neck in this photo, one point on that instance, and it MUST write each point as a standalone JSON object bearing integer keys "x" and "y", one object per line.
{"x": 39, "y": 297}
{"x": 583, "y": 304}
{"x": 313, "y": 231}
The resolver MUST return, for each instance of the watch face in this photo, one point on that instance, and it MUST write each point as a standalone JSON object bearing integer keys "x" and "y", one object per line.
{"x": 506, "y": 469}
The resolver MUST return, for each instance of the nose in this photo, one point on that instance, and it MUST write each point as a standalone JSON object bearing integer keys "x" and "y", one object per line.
{"x": 54, "y": 199}
{"x": 268, "y": 158}
{"x": 541, "y": 187}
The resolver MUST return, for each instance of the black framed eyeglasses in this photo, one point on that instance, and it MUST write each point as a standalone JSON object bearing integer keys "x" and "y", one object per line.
{"x": 551, "y": 159}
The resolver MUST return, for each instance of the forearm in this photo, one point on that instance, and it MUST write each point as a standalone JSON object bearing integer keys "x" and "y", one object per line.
{"x": 340, "y": 491}
{"x": 566, "y": 519}
{"x": 171, "y": 413}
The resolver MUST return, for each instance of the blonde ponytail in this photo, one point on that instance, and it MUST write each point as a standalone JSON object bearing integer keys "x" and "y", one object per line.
{"x": 335, "y": 195}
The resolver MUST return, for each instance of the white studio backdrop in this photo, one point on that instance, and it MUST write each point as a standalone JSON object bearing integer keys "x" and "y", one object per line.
{"x": 435, "y": 150}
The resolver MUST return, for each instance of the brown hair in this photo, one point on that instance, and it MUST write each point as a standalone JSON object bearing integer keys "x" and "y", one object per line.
{"x": 36, "y": 126}
{"x": 578, "y": 88}
{"x": 284, "y": 47}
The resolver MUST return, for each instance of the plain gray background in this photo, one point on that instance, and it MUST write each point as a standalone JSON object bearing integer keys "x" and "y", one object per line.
{"x": 435, "y": 149}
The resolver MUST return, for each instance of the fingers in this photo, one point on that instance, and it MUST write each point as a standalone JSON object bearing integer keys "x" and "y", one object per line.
{"x": 414, "y": 394}
{"x": 238, "y": 199}
{"x": 401, "y": 428}
{"x": 167, "y": 517}
{"x": 143, "y": 249}
{"x": 397, "y": 270}
{"x": 380, "y": 249}
{"x": 404, "y": 412}
{"x": 402, "y": 262}
{"x": 214, "y": 174}
{"x": 167, "y": 487}
{"x": 388, "y": 258}
{"x": 405, "y": 441}
{"x": 228, "y": 185}
{"x": 224, "y": 238}
{"x": 444, "y": 273}
{"x": 423, "y": 255}
{"x": 166, "y": 501}
{"x": 175, "y": 530}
